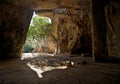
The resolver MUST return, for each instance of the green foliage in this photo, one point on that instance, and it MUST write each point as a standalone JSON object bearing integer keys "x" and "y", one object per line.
{"x": 38, "y": 30}
{"x": 27, "y": 48}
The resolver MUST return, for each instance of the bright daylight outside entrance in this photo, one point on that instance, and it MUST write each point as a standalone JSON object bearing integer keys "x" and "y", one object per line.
{"x": 40, "y": 47}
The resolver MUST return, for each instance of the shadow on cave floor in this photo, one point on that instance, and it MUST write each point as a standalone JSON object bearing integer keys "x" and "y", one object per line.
{"x": 46, "y": 62}
{"x": 58, "y": 69}
{"x": 15, "y": 71}
{"x": 78, "y": 70}
{"x": 110, "y": 59}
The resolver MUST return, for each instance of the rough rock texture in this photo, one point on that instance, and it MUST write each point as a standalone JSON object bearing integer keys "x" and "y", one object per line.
{"x": 112, "y": 11}
{"x": 81, "y": 28}
{"x": 46, "y": 4}
{"x": 72, "y": 27}
{"x": 71, "y": 23}
{"x": 14, "y": 22}
{"x": 73, "y": 33}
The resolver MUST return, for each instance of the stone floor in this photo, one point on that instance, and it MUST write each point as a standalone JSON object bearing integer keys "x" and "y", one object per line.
{"x": 15, "y": 71}
{"x": 60, "y": 69}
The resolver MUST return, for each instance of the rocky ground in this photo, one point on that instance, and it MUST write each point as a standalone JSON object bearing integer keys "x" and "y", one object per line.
{"x": 58, "y": 69}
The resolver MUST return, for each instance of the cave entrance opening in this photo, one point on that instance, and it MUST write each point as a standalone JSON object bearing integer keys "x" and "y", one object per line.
{"x": 40, "y": 38}
{"x": 40, "y": 47}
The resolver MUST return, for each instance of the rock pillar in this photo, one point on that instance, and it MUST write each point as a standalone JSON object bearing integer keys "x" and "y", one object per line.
{"x": 98, "y": 29}
{"x": 14, "y": 24}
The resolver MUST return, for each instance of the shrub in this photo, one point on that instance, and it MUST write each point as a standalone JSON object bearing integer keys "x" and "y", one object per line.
{"x": 27, "y": 48}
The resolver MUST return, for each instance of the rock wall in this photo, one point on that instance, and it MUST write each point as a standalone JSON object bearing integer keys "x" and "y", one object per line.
{"x": 112, "y": 12}
{"x": 14, "y": 23}
{"x": 81, "y": 28}
{"x": 98, "y": 29}
{"x": 73, "y": 31}
{"x": 72, "y": 25}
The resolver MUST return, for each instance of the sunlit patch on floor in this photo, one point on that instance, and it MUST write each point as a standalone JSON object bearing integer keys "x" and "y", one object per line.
{"x": 41, "y": 63}
{"x": 40, "y": 70}
{"x": 33, "y": 55}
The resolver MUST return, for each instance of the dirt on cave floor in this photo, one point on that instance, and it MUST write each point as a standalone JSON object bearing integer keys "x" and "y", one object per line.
{"x": 59, "y": 69}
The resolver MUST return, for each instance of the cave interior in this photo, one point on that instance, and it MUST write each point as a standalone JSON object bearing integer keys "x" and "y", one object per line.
{"x": 83, "y": 27}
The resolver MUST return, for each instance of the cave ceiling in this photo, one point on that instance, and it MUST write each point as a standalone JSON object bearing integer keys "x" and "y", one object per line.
{"x": 46, "y": 4}
{"x": 47, "y": 7}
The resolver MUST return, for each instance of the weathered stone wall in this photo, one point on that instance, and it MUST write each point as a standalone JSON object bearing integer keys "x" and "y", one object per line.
{"x": 72, "y": 26}
{"x": 112, "y": 11}
{"x": 73, "y": 31}
{"x": 14, "y": 23}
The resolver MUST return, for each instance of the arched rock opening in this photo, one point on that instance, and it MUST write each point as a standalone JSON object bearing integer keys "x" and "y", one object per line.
{"x": 82, "y": 28}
